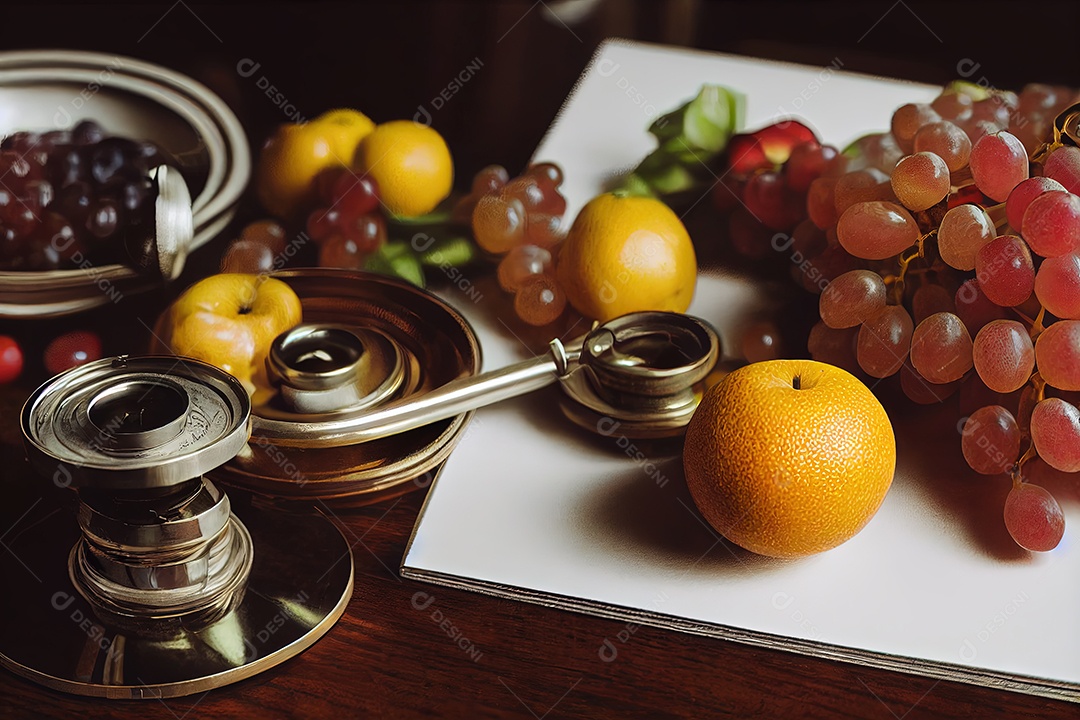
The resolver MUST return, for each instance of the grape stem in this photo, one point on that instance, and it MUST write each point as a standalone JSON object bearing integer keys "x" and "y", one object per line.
{"x": 1039, "y": 386}
{"x": 918, "y": 250}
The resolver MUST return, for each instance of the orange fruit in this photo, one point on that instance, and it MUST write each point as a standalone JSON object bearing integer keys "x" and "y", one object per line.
{"x": 296, "y": 153}
{"x": 626, "y": 254}
{"x": 788, "y": 458}
{"x": 411, "y": 164}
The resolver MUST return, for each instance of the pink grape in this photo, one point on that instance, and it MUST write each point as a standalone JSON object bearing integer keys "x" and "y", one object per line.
{"x": 930, "y": 299}
{"x": 861, "y": 186}
{"x": 978, "y": 129}
{"x": 884, "y": 341}
{"x": 760, "y": 341}
{"x": 953, "y": 106}
{"x": 806, "y": 163}
{"x": 879, "y": 151}
{"x": 1036, "y": 97}
{"x": 963, "y": 230}
{"x": 907, "y": 120}
{"x": 1034, "y": 518}
{"x": 922, "y": 392}
{"x": 832, "y": 346}
{"x": 1004, "y": 355}
{"x": 1057, "y": 286}
{"x": 947, "y": 141}
{"x": 876, "y": 230}
{"x": 921, "y": 181}
{"x": 821, "y": 203}
{"x": 1055, "y": 430}
{"x": 1063, "y": 165}
{"x": 1005, "y": 270}
{"x": 941, "y": 348}
{"x": 991, "y": 440}
{"x": 1057, "y": 353}
{"x": 772, "y": 202}
{"x": 521, "y": 264}
{"x": 1022, "y": 195}
{"x": 1051, "y": 224}
{"x": 998, "y": 164}
{"x": 851, "y": 298}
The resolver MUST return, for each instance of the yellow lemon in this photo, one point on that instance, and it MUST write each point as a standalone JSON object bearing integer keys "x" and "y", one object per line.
{"x": 627, "y": 254}
{"x": 411, "y": 164}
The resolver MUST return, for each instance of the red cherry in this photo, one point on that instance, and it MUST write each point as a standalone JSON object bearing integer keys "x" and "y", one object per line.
{"x": 11, "y": 359}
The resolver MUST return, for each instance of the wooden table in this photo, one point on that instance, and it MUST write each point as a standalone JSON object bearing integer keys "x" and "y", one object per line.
{"x": 385, "y": 658}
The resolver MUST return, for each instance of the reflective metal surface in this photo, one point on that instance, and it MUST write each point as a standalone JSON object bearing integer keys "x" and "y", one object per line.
{"x": 300, "y": 581}
{"x": 415, "y": 343}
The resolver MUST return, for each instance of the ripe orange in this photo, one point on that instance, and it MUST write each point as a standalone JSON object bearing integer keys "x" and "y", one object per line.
{"x": 411, "y": 163}
{"x": 789, "y": 457}
{"x": 627, "y": 254}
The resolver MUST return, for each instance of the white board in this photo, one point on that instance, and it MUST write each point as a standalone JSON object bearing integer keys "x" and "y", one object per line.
{"x": 530, "y": 507}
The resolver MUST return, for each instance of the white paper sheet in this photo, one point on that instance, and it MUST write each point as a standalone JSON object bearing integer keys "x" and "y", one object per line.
{"x": 531, "y": 507}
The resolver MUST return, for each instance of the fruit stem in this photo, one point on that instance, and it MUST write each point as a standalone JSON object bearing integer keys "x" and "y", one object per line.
{"x": 1037, "y": 327}
{"x": 796, "y": 382}
{"x": 906, "y": 258}
{"x": 1039, "y": 385}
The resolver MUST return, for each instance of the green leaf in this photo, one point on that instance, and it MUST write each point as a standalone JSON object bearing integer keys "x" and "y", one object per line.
{"x": 454, "y": 251}
{"x": 396, "y": 259}
{"x": 712, "y": 118}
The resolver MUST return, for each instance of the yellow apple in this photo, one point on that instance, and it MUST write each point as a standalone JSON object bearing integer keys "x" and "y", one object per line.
{"x": 229, "y": 320}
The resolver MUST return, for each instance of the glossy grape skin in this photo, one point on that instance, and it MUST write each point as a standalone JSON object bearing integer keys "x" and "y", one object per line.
{"x": 547, "y": 172}
{"x": 265, "y": 232}
{"x": 941, "y": 348}
{"x": 851, "y": 298}
{"x": 907, "y": 120}
{"x": 991, "y": 440}
{"x": 522, "y": 263}
{"x": 498, "y": 223}
{"x": 760, "y": 341}
{"x": 884, "y": 341}
{"x": 71, "y": 350}
{"x": 355, "y": 195}
{"x": 1055, "y": 429}
{"x": 1057, "y": 286}
{"x": 1034, "y": 518}
{"x": 806, "y": 163}
{"x": 1057, "y": 354}
{"x": 1004, "y": 355}
{"x": 527, "y": 189}
{"x": 876, "y": 230}
{"x": 1063, "y": 165}
{"x": 861, "y": 186}
{"x": 539, "y": 301}
{"x": 962, "y": 231}
{"x": 1005, "y": 270}
{"x": 920, "y": 181}
{"x": 999, "y": 163}
{"x": 953, "y": 106}
{"x": 543, "y": 230}
{"x": 772, "y": 202}
{"x": 323, "y": 223}
{"x": 489, "y": 180}
{"x": 339, "y": 251}
{"x": 1022, "y": 195}
{"x": 821, "y": 202}
{"x": 930, "y": 299}
{"x": 246, "y": 256}
{"x": 947, "y": 141}
{"x": 1051, "y": 224}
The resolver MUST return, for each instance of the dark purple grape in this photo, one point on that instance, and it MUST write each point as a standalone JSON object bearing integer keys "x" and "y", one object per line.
{"x": 54, "y": 139}
{"x": 20, "y": 142}
{"x": 106, "y": 160}
{"x": 37, "y": 195}
{"x": 73, "y": 202}
{"x": 104, "y": 218}
{"x": 129, "y": 194}
{"x": 56, "y": 245}
{"x": 21, "y": 219}
{"x": 87, "y": 132}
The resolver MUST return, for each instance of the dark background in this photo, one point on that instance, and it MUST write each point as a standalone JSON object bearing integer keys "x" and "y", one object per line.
{"x": 387, "y": 58}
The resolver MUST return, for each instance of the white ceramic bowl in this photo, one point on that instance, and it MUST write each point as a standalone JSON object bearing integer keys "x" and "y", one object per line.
{"x": 54, "y": 89}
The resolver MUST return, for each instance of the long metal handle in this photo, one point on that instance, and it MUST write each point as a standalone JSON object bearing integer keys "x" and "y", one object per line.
{"x": 455, "y": 397}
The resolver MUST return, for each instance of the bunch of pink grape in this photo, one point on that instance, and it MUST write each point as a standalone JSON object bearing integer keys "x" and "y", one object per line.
{"x": 71, "y": 197}
{"x": 520, "y": 220}
{"x": 970, "y": 279}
